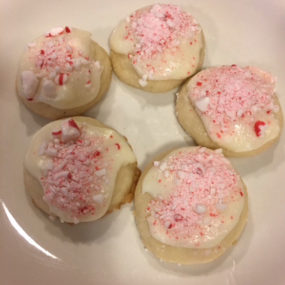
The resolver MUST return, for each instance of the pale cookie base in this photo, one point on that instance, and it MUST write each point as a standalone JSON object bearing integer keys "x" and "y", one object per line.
{"x": 125, "y": 184}
{"x": 194, "y": 126}
{"x": 181, "y": 255}
{"x": 50, "y": 112}
{"x": 125, "y": 71}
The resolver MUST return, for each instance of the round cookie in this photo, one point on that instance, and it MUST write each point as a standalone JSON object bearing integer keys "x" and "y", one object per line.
{"x": 78, "y": 169}
{"x": 63, "y": 73}
{"x": 230, "y": 107}
{"x": 190, "y": 206}
{"x": 157, "y": 47}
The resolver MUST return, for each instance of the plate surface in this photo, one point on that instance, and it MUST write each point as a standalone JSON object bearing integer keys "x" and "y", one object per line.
{"x": 35, "y": 250}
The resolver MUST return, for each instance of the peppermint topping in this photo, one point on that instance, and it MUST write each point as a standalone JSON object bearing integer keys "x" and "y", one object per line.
{"x": 30, "y": 83}
{"x": 202, "y": 104}
{"x": 75, "y": 170}
{"x": 230, "y": 94}
{"x": 200, "y": 209}
{"x": 69, "y": 131}
{"x": 157, "y": 29}
{"x": 143, "y": 81}
{"x": 203, "y": 184}
{"x": 259, "y": 128}
{"x": 56, "y": 31}
{"x": 56, "y": 57}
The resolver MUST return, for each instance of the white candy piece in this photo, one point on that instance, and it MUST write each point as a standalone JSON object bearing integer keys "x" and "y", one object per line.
{"x": 69, "y": 132}
{"x": 200, "y": 209}
{"x": 142, "y": 82}
{"x": 56, "y": 31}
{"x": 156, "y": 163}
{"x": 99, "y": 198}
{"x": 30, "y": 83}
{"x": 63, "y": 173}
{"x": 48, "y": 89}
{"x": 202, "y": 104}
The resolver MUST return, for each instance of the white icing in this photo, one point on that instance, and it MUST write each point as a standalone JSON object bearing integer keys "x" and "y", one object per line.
{"x": 244, "y": 138}
{"x": 215, "y": 231}
{"x": 168, "y": 65}
{"x": 37, "y": 165}
{"x": 47, "y": 90}
{"x": 74, "y": 91}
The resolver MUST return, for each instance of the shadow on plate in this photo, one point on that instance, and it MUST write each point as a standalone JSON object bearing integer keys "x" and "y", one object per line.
{"x": 32, "y": 121}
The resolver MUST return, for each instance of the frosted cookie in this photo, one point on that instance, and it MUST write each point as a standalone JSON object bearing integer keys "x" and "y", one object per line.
{"x": 190, "y": 206}
{"x": 230, "y": 107}
{"x": 63, "y": 73}
{"x": 78, "y": 169}
{"x": 157, "y": 47}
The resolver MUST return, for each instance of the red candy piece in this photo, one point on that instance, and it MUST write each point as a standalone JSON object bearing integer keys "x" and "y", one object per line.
{"x": 72, "y": 123}
{"x": 258, "y": 127}
{"x": 178, "y": 217}
{"x": 97, "y": 153}
{"x": 60, "y": 80}
{"x": 57, "y": 133}
{"x": 67, "y": 30}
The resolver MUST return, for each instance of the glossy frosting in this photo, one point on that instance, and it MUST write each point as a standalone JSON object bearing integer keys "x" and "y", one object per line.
{"x": 197, "y": 198}
{"x": 162, "y": 41}
{"x": 59, "y": 69}
{"x": 77, "y": 165}
{"x": 236, "y": 106}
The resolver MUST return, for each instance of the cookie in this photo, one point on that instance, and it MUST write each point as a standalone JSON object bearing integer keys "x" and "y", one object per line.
{"x": 231, "y": 107}
{"x": 157, "y": 47}
{"x": 78, "y": 169}
{"x": 63, "y": 73}
{"x": 190, "y": 206}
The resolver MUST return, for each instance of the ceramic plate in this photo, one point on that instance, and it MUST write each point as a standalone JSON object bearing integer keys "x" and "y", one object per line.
{"x": 35, "y": 250}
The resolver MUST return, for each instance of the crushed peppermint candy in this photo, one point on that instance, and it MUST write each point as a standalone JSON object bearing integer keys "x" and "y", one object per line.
{"x": 30, "y": 83}
{"x": 207, "y": 184}
{"x": 56, "y": 58}
{"x": 76, "y": 171}
{"x": 259, "y": 128}
{"x": 156, "y": 29}
{"x": 231, "y": 94}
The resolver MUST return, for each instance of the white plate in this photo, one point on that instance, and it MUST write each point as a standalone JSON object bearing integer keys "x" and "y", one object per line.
{"x": 35, "y": 250}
